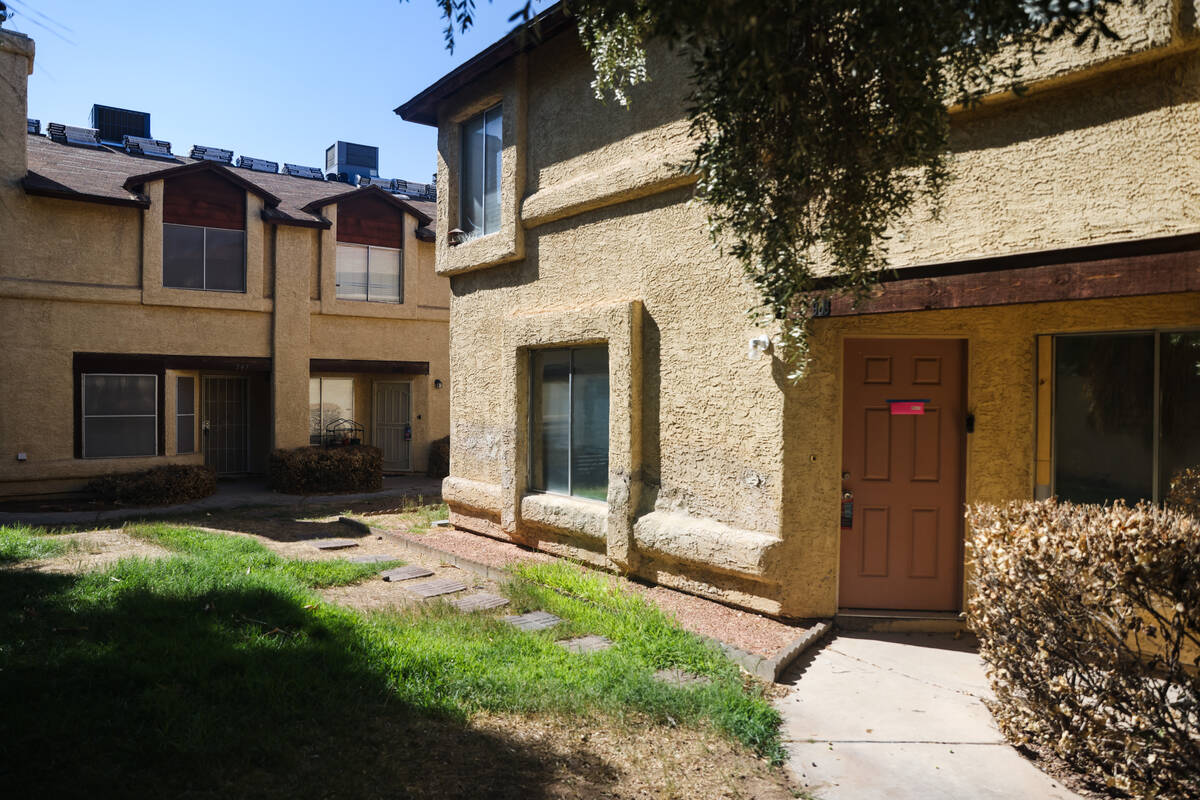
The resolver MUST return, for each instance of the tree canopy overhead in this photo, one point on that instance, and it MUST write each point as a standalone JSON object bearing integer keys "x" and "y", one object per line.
{"x": 820, "y": 123}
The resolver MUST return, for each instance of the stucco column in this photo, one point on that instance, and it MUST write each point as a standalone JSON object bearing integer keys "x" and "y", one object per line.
{"x": 290, "y": 337}
{"x": 16, "y": 64}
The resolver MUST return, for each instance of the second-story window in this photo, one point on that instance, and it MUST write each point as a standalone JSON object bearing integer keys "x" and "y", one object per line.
{"x": 196, "y": 257}
{"x": 366, "y": 272}
{"x": 479, "y": 192}
{"x": 204, "y": 233}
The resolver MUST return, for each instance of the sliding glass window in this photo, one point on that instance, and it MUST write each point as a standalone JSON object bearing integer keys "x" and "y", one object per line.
{"x": 1125, "y": 414}
{"x": 479, "y": 212}
{"x": 569, "y": 421}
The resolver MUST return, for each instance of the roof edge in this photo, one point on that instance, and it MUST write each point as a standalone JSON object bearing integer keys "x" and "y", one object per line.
{"x": 333, "y": 199}
{"x": 140, "y": 201}
{"x": 422, "y": 107}
{"x": 201, "y": 166}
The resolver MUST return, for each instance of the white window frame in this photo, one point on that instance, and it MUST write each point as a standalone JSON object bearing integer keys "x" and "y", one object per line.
{"x": 369, "y": 247}
{"x": 84, "y": 416}
{"x": 484, "y": 229}
{"x": 204, "y": 259}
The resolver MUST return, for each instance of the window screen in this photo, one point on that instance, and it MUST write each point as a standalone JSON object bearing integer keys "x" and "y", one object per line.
{"x": 569, "y": 421}
{"x": 329, "y": 399}
{"x": 370, "y": 273}
{"x": 1125, "y": 418}
{"x": 482, "y": 146}
{"x": 120, "y": 415}
{"x": 204, "y": 258}
{"x": 185, "y": 415}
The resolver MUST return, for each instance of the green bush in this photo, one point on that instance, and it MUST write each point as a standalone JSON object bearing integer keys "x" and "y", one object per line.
{"x": 321, "y": 470}
{"x": 1089, "y": 620}
{"x": 168, "y": 485}
{"x": 439, "y": 458}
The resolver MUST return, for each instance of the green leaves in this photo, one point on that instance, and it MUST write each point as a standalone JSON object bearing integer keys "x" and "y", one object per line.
{"x": 821, "y": 124}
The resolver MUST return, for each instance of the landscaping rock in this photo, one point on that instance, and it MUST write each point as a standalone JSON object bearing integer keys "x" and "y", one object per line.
{"x": 534, "y": 621}
{"x": 436, "y": 587}
{"x": 406, "y": 573}
{"x": 587, "y": 644}
{"x": 479, "y": 602}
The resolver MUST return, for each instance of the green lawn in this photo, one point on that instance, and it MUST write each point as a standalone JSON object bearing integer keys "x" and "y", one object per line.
{"x": 220, "y": 671}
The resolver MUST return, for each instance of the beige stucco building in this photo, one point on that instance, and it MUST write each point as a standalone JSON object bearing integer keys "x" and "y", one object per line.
{"x": 610, "y": 401}
{"x": 176, "y": 310}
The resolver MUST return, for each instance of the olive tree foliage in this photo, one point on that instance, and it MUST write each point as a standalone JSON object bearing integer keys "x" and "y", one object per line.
{"x": 820, "y": 124}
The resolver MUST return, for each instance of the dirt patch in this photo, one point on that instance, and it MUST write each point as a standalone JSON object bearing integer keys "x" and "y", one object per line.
{"x": 93, "y": 550}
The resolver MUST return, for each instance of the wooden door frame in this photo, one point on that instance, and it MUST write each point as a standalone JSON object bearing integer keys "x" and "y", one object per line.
{"x": 960, "y": 560}
{"x": 375, "y": 416}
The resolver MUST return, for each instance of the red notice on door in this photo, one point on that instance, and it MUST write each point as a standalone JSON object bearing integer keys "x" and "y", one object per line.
{"x": 907, "y": 407}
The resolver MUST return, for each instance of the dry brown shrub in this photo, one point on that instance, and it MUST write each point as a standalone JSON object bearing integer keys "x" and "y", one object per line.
{"x": 1183, "y": 492}
{"x": 165, "y": 485}
{"x": 326, "y": 470}
{"x": 1089, "y": 620}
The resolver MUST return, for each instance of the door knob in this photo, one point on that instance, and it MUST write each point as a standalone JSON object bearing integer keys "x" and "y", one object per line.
{"x": 204, "y": 426}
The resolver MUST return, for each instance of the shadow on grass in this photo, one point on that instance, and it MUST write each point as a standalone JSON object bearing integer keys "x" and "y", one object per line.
{"x": 241, "y": 692}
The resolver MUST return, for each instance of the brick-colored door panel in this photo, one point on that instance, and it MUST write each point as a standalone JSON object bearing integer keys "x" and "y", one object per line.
{"x": 903, "y": 547}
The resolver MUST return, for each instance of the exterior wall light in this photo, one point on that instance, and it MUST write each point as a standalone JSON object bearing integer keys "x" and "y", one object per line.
{"x": 437, "y": 383}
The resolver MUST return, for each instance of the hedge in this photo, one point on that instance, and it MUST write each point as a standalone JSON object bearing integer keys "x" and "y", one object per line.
{"x": 167, "y": 485}
{"x": 1089, "y": 620}
{"x": 326, "y": 470}
{"x": 439, "y": 458}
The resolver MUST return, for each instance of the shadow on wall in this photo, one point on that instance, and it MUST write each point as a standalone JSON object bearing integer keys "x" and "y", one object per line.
{"x": 191, "y": 696}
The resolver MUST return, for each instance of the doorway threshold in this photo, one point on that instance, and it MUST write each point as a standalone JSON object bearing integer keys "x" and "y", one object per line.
{"x": 883, "y": 620}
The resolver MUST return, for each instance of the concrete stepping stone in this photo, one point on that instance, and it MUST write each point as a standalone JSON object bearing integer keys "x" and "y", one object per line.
{"x": 534, "y": 621}
{"x": 334, "y": 544}
{"x": 436, "y": 587}
{"x": 440, "y": 523}
{"x": 482, "y": 601}
{"x": 406, "y": 573}
{"x": 679, "y": 677}
{"x": 586, "y": 644}
{"x": 375, "y": 559}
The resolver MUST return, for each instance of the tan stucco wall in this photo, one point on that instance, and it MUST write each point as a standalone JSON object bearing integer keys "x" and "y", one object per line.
{"x": 740, "y": 472}
{"x": 86, "y": 277}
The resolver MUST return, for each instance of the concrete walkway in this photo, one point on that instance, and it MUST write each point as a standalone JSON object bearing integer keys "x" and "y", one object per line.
{"x": 229, "y": 495}
{"x": 899, "y": 716}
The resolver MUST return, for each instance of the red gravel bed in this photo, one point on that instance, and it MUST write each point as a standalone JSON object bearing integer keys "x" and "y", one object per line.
{"x": 743, "y": 629}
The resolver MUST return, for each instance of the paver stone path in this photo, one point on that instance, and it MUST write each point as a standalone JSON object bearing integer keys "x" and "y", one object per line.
{"x": 586, "y": 644}
{"x": 373, "y": 559}
{"x": 334, "y": 544}
{"x": 481, "y": 601}
{"x": 405, "y": 573}
{"x": 436, "y": 587}
{"x": 901, "y": 717}
{"x": 534, "y": 621}
{"x": 679, "y": 677}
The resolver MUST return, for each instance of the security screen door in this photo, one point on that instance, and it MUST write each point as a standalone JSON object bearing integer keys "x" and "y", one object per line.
{"x": 225, "y": 425}
{"x": 393, "y": 415}
{"x": 902, "y": 461}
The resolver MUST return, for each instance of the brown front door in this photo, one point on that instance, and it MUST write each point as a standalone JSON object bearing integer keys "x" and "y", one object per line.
{"x": 902, "y": 474}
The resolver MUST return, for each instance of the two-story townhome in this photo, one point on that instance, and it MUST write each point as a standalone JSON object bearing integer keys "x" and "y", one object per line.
{"x": 610, "y": 401}
{"x": 163, "y": 309}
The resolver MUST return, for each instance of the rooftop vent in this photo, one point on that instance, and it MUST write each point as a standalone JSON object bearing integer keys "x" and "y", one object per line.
{"x": 353, "y": 160}
{"x": 297, "y": 171}
{"x": 387, "y": 184}
{"x": 212, "y": 154}
{"x": 421, "y": 191}
{"x": 34, "y": 125}
{"x": 114, "y": 124}
{"x": 69, "y": 134}
{"x": 139, "y": 146}
{"x": 257, "y": 164}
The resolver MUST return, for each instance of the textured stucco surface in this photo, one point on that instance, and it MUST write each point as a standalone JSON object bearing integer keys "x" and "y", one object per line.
{"x": 739, "y": 476}
{"x": 84, "y": 277}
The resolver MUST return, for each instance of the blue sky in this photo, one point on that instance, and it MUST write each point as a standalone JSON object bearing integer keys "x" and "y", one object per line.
{"x": 265, "y": 78}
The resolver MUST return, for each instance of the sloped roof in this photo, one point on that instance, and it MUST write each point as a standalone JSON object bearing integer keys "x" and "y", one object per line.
{"x": 109, "y": 175}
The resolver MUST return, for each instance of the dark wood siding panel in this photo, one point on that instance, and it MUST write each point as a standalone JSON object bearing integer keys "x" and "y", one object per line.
{"x": 370, "y": 220}
{"x": 204, "y": 198}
